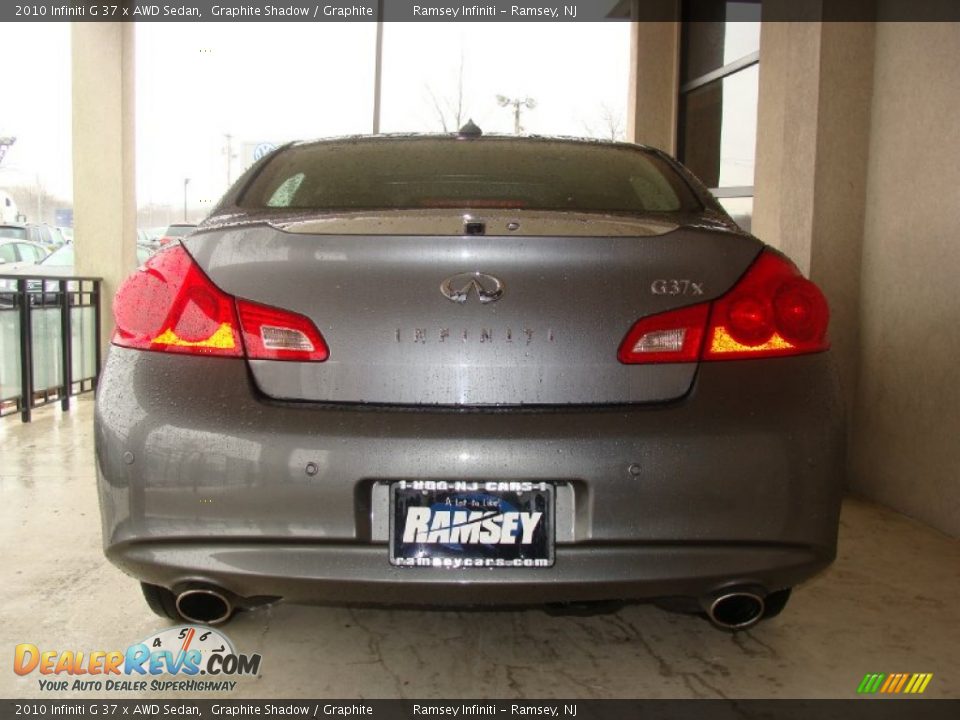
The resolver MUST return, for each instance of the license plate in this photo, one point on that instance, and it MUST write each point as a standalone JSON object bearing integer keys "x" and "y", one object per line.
{"x": 460, "y": 525}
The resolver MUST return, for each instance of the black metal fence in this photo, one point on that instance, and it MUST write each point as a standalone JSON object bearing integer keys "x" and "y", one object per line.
{"x": 49, "y": 341}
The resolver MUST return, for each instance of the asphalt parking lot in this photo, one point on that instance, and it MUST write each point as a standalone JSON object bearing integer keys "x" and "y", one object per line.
{"x": 887, "y": 605}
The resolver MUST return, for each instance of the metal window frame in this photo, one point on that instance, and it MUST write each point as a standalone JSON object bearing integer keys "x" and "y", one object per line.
{"x": 720, "y": 73}
{"x": 738, "y": 191}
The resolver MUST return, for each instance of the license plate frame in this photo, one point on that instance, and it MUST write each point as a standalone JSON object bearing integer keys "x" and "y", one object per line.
{"x": 531, "y": 504}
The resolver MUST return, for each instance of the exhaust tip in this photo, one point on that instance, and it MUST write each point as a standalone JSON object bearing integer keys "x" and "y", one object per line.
{"x": 204, "y": 606}
{"x": 736, "y": 610}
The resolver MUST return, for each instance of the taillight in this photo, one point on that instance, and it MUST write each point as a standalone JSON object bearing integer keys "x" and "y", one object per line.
{"x": 170, "y": 305}
{"x": 674, "y": 336}
{"x": 772, "y": 311}
{"x": 273, "y": 334}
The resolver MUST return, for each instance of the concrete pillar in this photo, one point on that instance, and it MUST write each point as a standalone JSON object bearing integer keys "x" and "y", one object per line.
{"x": 654, "y": 77}
{"x": 906, "y": 422}
{"x": 813, "y": 131}
{"x": 104, "y": 191}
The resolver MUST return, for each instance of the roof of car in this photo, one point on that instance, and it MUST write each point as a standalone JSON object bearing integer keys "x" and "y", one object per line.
{"x": 21, "y": 241}
{"x": 600, "y": 142}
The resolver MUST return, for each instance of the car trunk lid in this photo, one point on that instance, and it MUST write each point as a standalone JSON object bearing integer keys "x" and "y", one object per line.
{"x": 410, "y": 319}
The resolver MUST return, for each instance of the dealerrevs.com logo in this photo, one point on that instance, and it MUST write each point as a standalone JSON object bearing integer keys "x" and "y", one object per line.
{"x": 198, "y": 658}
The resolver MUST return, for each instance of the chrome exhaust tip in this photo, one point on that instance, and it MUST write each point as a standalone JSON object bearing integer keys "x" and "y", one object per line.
{"x": 204, "y": 606}
{"x": 736, "y": 610}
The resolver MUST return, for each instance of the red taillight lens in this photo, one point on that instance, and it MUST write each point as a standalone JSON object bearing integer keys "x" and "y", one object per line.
{"x": 772, "y": 311}
{"x": 170, "y": 305}
{"x": 273, "y": 334}
{"x": 801, "y": 312}
{"x": 674, "y": 336}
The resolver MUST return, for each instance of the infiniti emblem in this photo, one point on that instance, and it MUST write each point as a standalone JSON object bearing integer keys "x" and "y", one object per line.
{"x": 457, "y": 287}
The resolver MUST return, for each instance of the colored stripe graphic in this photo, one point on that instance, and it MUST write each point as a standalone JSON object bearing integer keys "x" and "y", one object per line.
{"x": 900, "y": 683}
{"x": 894, "y": 683}
{"x": 919, "y": 683}
{"x": 871, "y": 682}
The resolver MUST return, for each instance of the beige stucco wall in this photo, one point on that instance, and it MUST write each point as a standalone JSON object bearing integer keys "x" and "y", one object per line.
{"x": 104, "y": 145}
{"x": 905, "y": 448}
{"x": 654, "y": 77}
{"x": 813, "y": 124}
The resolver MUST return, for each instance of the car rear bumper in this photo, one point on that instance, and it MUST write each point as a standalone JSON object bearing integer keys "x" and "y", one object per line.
{"x": 324, "y": 573}
{"x": 202, "y": 480}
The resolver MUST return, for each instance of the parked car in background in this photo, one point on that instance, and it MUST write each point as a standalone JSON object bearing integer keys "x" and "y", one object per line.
{"x": 17, "y": 256}
{"x": 16, "y": 251}
{"x": 174, "y": 232}
{"x": 49, "y": 236}
{"x": 470, "y": 370}
{"x": 57, "y": 264}
{"x": 13, "y": 231}
{"x": 61, "y": 261}
{"x": 59, "y": 238}
{"x": 150, "y": 236}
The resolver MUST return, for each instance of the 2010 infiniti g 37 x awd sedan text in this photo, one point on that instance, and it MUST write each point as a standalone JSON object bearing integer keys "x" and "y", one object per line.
{"x": 466, "y": 369}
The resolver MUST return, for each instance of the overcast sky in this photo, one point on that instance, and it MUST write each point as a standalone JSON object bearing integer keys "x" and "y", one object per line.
{"x": 197, "y": 82}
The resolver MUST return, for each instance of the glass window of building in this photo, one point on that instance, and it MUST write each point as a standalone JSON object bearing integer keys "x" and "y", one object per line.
{"x": 535, "y": 78}
{"x": 207, "y": 106}
{"x": 719, "y": 82}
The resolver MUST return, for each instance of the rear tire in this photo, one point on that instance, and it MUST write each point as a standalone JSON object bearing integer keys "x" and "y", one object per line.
{"x": 161, "y": 601}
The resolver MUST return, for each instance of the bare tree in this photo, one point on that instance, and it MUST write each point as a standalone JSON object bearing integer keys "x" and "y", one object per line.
{"x": 157, "y": 215}
{"x": 609, "y": 124}
{"x": 451, "y": 110}
{"x": 37, "y": 204}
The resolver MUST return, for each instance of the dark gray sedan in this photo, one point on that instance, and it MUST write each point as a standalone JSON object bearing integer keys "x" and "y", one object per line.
{"x": 475, "y": 370}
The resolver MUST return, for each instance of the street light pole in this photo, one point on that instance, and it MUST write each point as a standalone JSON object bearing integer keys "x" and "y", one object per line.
{"x": 5, "y": 144}
{"x": 228, "y": 151}
{"x": 186, "y": 181}
{"x": 518, "y": 103}
{"x": 378, "y": 69}
{"x": 39, "y": 190}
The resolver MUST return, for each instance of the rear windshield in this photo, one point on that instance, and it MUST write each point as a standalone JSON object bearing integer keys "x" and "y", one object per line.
{"x": 17, "y": 233}
{"x": 485, "y": 173}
